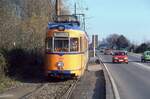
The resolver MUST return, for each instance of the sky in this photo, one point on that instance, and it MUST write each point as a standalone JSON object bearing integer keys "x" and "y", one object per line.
{"x": 128, "y": 17}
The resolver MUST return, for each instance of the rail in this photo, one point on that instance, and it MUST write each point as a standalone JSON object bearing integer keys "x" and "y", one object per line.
{"x": 68, "y": 93}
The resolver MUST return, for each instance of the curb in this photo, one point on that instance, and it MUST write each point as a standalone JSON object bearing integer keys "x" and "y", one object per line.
{"x": 113, "y": 84}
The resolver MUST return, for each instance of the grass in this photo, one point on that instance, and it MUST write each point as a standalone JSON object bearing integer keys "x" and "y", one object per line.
{"x": 17, "y": 66}
{"x": 6, "y": 83}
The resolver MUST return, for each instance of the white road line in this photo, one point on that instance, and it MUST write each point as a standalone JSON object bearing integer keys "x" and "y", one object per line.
{"x": 116, "y": 92}
{"x": 142, "y": 66}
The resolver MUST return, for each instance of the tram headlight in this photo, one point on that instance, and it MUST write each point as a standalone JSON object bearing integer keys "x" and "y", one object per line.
{"x": 61, "y": 28}
{"x": 60, "y": 64}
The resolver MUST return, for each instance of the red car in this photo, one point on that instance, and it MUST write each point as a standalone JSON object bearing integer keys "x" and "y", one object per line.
{"x": 120, "y": 57}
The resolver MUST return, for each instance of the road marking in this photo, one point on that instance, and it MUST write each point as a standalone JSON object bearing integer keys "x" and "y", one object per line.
{"x": 6, "y": 95}
{"x": 114, "y": 86}
{"x": 142, "y": 66}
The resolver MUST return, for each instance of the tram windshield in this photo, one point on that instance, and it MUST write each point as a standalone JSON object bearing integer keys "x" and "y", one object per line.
{"x": 62, "y": 44}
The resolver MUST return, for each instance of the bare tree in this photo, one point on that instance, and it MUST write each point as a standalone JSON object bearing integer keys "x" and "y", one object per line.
{"x": 111, "y": 40}
{"x": 23, "y": 22}
{"x": 122, "y": 42}
{"x": 23, "y": 26}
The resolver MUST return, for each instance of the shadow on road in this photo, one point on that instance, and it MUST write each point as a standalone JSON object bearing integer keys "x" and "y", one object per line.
{"x": 100, "y": 90}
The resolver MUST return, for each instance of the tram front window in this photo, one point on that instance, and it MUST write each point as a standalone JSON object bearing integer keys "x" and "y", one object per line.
{"x": 61, "y": 44}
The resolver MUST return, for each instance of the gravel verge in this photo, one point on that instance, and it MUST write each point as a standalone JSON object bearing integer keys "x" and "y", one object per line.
{"x": 53, "y": 90}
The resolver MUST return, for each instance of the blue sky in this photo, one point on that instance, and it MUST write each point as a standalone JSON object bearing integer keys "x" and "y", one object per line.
{"x": 128, "y": 17}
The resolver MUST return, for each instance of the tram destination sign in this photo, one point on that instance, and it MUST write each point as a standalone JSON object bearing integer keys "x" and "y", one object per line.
{"x": 61, "y": 34}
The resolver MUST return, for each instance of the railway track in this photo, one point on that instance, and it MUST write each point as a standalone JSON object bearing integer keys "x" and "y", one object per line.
{"x": 39, "y": 88}
{"x": 53, "y": 90}
{"x": 68, "y": 93}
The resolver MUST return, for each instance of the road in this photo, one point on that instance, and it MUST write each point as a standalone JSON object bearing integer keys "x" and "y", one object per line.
{"x": 132, "y": 79}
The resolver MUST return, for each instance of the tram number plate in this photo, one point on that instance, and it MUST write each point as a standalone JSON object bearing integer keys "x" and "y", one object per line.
{"x": 61, "y": 34}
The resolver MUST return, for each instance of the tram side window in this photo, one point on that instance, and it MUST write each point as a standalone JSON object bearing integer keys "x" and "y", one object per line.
{"x": 74, "y": 44}
{"x": 49, "y": 44}
{"x": 81, "y": 44}
{"x": 61, "y": 44}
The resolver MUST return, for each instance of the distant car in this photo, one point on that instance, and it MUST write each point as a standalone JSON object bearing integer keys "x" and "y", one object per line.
{"x": 120, "y": 57}
{"x": 108, "y": 52}
{"x": 102, "y": 50}
{"x": 146, "y": 56}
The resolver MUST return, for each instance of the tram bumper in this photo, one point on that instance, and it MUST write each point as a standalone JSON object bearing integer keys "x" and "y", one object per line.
{"x": 61, "y": 74}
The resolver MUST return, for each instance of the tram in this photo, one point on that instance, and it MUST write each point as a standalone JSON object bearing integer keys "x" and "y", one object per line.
{"x": 66, "y": 50}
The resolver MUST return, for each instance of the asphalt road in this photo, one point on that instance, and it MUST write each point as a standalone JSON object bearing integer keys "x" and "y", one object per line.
{"x": 132, "y": 79}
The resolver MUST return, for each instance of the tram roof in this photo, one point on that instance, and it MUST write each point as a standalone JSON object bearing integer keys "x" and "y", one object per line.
{"x": 75, "y": 25}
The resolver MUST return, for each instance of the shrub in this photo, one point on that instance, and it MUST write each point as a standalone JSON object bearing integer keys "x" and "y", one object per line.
{"x": 24, "y": 64}
{"x": 3, "y": 65}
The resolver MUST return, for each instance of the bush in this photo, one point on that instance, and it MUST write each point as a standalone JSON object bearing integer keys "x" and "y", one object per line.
{"x": 3, "y": 65}
{"x": 24, "y": 64}
{"x": 19, "y": 65}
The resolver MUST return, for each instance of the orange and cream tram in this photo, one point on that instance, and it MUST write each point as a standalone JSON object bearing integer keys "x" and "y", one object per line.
{"x": 66, "y": 52}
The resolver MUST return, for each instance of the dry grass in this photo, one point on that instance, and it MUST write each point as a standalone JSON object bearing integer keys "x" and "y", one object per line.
{"x": 6, "y": 82}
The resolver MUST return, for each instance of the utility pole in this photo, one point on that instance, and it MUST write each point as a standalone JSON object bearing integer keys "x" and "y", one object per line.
{"x": 83, "y": 20}
{"x": 75, "y": 9}
{"x": 80, "y": 14}
{"x": 94, "y": 46}
{"x": 57, "y": 7}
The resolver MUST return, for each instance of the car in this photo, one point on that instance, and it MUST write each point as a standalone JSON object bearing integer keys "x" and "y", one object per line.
{"x": 120, "y": 57}
{"x": 146, "y": 56}
{"x": 108, "y": 52}
{"x": 101, "y": 50}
